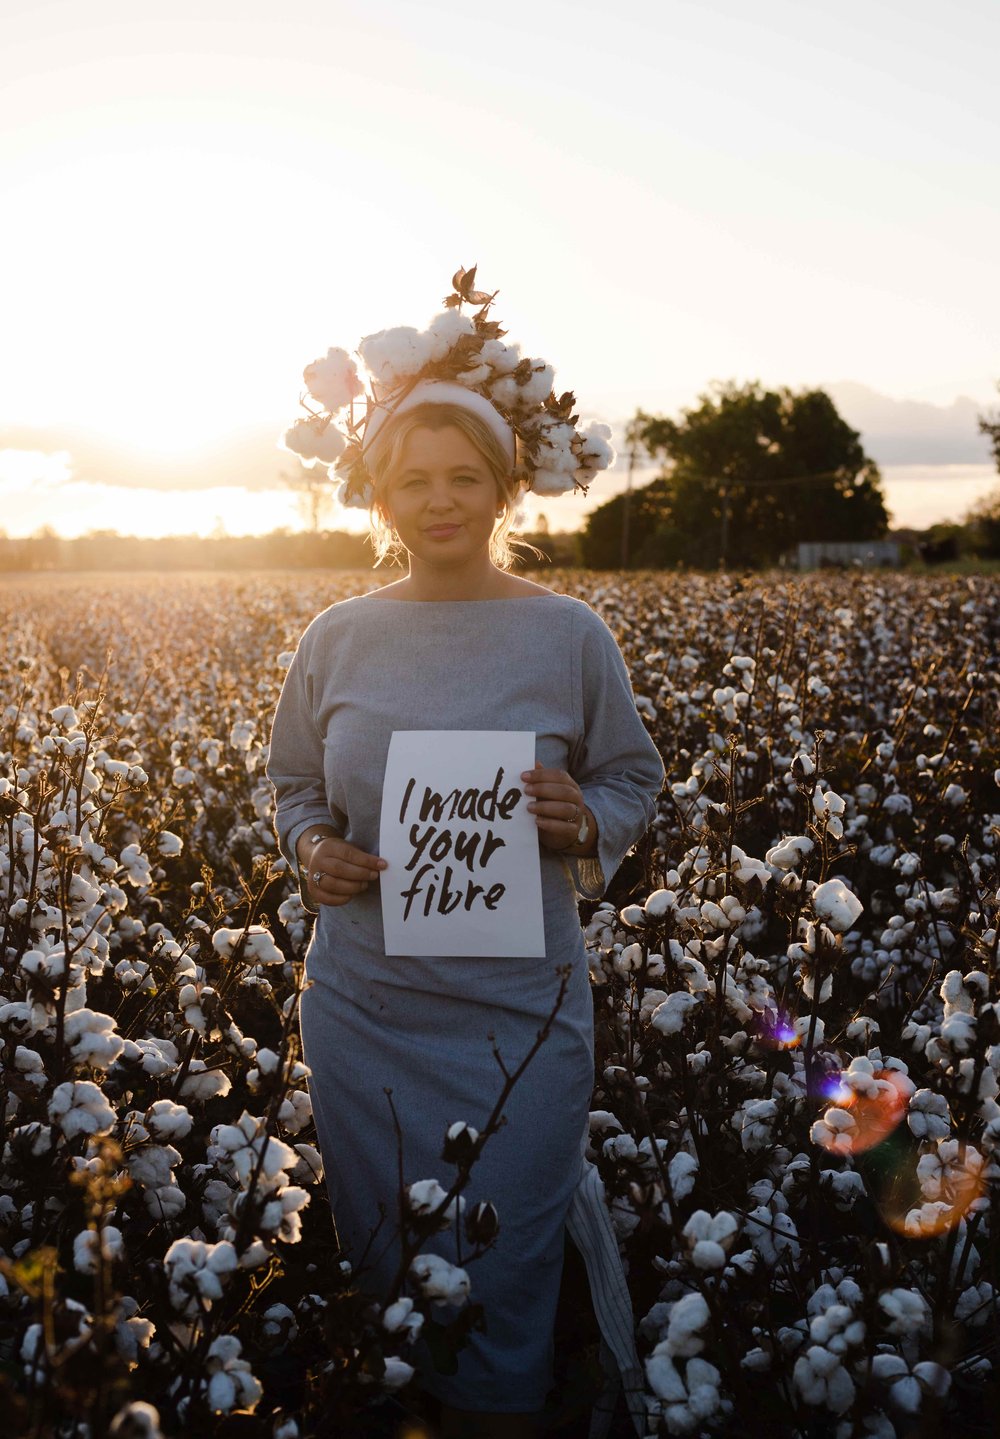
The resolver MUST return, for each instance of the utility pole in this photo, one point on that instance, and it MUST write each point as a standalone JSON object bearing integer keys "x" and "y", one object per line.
{"x": 632, "y": 434}
{"x": 724, "y": 536}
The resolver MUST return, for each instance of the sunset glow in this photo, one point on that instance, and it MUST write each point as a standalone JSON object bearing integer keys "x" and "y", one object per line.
{"x": 206, "y": 198}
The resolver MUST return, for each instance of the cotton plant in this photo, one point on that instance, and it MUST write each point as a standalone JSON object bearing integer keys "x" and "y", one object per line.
{"x": 797, "y": 972}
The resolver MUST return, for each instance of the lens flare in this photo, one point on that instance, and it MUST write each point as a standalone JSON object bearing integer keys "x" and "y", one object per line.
{"x": 926, "y": 1211}
{"x": 857, "y": 1121}
{"x": 775, "y": 1029}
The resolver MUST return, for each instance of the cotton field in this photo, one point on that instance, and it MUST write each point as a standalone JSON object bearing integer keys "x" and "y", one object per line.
{"x": 795, "y": 979}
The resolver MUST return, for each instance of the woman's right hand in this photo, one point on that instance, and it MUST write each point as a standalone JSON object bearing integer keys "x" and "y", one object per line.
{"x": 334, "y": 871}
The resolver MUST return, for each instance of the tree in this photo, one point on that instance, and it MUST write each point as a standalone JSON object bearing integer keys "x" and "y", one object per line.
{"x": 314, "y": 493}
{"x": 983, "y": 522}
{"x": 747, "y": 473}
{"x": 990, "y": 425}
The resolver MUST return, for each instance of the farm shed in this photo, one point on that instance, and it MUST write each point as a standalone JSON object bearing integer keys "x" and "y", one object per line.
{"x": 811, "y": 555}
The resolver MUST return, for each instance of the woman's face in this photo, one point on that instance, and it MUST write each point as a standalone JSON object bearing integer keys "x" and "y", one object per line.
{"x": 441, "y": 497}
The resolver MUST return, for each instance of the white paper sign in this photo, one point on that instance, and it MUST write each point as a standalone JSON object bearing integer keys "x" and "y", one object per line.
{"x": 464, "y": 873}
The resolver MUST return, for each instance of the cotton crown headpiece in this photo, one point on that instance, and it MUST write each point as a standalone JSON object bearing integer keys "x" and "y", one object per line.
{"x": 460, "y": 359}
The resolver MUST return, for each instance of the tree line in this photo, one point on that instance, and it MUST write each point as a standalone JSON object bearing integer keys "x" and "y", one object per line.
{"x": 745, "y": 475}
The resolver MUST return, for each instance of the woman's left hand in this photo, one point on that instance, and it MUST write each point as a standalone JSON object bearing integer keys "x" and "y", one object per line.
{"x": 557, "y": 803}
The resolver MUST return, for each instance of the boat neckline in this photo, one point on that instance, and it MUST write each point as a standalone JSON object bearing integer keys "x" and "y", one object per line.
{"x": 496, "y": 600}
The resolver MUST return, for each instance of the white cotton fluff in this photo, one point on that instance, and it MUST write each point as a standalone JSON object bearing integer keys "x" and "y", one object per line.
{"x": 92, "y": 1038}
{"x": 446, "y": 329}
{"x": 78, "y": 1107}
{"x": 478, "y": 375}
{"x": 596, "y": 451}
{"x": 137, "y": 1420}
{"x": 688, "y": 1319}
{"x": 396, "y": 1373}
{"x": 835, "y": 1131}
{"x": 258, "y": 944}
{"x": 906, "y": 1388}
{"x": 65, "y": 716}
{"x": 136, "y": 866}
{"x": 152, "y": 1165}
{"x": 710, "y": 1237}
{"x": 169, "y": 844}
{"x": 87, "y": 1245}
{"x": 351, "y": 498}
{"x": 790, "y": 853}
{"x": 195, "y": 1271}
{"x": 513, "y": 395}
{"x": 333, "y": 381}
{"x": 314, "y": 440}
{"x": 401, "y": 1318}
{"x": 391, "y": 355}
{"x": 439, "y": 1281}
{"x": 682, "y": 1172}
{"x": 501, "y": 357}
{"x": 836, "y": 905}
{"x": 821, "y": 1379}
{"x": 555, "y": 446}
{"x": 690, "y": 1399}
{"x": 241, "y": 735}
{"x": 167, "y": 1120}
{"x": 906, "y": 1310}
{"x": 231, "y": 1384}
{"x": 754, "y": 1121}
{"x": 426, "y": 1195}
{"x": 670, "y": 1016}
{"x": 659, "y": 903}
{"x": 552, "y": 482}
{"x": 929, "y": 1116}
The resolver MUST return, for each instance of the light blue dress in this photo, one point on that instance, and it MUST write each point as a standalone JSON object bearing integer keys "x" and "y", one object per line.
{"x": 425, "y": 1028}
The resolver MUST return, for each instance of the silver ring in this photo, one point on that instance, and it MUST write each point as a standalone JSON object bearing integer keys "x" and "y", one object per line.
{"x": 317, "y": 876}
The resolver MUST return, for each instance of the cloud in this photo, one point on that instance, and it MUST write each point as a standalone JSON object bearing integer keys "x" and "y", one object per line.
{"x": 912, "y": 432}
{"x": 248, "y": 459}
{"x": 33, "y": 470}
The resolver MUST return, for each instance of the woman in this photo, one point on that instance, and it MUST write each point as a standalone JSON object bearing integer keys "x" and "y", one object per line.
{"x": 459, "y": 643}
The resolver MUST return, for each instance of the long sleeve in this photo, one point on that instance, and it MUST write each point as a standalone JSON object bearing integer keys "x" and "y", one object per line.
{"x": 295, "y": 759}
{"x": 616, "y": 764}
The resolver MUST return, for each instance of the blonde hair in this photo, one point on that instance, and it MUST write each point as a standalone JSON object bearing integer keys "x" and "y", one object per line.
{"x": 393, "y": 436}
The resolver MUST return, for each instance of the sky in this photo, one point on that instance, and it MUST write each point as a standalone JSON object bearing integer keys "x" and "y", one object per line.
{"x": 202, "y": 196}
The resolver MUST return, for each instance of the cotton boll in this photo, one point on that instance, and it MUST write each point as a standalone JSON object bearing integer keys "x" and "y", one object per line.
{"x": 93, "y": 1039}
{"x": 538, "y": 388}
{"x": 350, "y": 498}
{"x": 821, "y": 1380}
{"x": 401, "y": 1318}
{"x": 231, "y": 1384}
{"x": 906, "y": 1311}
{"x": 79, "y": 1107}
{"x": 552, "y": 482}
{"x": 333, "y": 381}
{"x": 836, "y": 905}
{"x": 392, "y": 355}
{"x": 314, "y": 440}
{"x": 426, "y": 1195}
{"x": 396, "y": 1373}
{"x": 688, "y": 1319}
{"x": 137, "y": 1420}
{"x": 790, "y": 852}
{"x": 439, "y": 1281}
{"x": 445, "y": 330}
{"x": 167, "y": 1120}
{"x": 501, "y": 357}
{"x": 478, "y": 375}
{"x": 596, "y": 451}
{"x": 709, "y": 1238}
